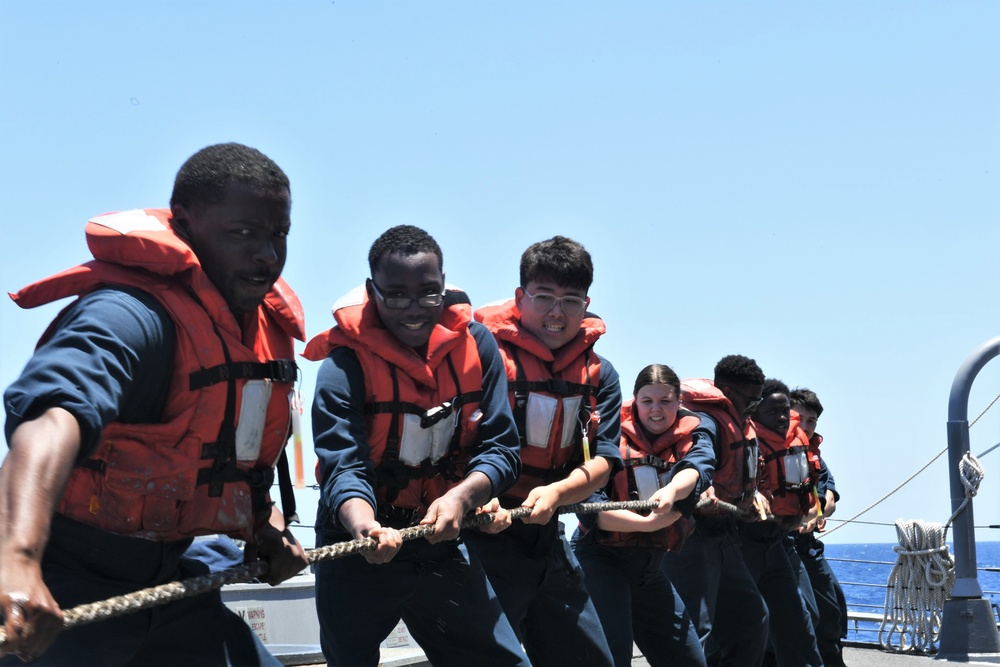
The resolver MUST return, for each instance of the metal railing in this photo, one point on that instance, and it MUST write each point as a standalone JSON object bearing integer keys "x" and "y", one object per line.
{"x": 865, "y": 618}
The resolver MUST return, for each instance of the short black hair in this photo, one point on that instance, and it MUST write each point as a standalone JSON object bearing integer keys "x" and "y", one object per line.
{"x": 657, "y": 374}
{"x": 806, "y": 398}
{"x": 203, "y": 178}
{"x": 774, "y": 386}
{"x": 737, "y": 369}
{"x": 559, "y": 259}
{"x": 405, "y": 239}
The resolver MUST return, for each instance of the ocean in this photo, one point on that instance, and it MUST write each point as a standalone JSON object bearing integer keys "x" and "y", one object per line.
{"x": 864, "y": 569}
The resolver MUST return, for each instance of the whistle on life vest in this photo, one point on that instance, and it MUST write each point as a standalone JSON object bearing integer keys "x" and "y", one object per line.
{"x": 589, "y": 426}
{"x": 759, "y": 506}
{"x": 819, "y": 506}
{"x": 295, "y": 407}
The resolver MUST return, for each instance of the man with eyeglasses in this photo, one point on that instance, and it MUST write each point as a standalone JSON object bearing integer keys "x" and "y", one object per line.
{"x": 567, "y": 404}
{"x": 411, "y": 426}
{"x": 709, "y": 573}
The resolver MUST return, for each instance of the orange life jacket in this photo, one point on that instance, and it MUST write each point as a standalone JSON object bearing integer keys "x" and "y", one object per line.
{"x": 206, "y": 467}
{"x": 553, "y": 395}
{"x": 815, "y": 462}
{"x": 658, "y": 458}
{"x": 736, "y": 449}
{"x": 788, "y": 477}
{"x": 422, "y": 413}
{"x": 815, "y": 441}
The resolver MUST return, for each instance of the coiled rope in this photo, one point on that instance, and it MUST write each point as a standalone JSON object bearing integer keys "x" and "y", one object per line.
{"x": 920, "y": 582}
{"x": 923, "y": 576}
{"x": 176, "y": 590}
{"x": 971, "y": 473}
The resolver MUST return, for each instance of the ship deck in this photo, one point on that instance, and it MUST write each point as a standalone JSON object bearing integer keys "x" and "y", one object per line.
{"x": 859, "y": 655}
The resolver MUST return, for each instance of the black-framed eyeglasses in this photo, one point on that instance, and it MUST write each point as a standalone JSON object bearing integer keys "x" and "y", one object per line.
{"x": 543, "y": 302}
{"x": 403, "y": 302}
{"x": 751, "y": 401}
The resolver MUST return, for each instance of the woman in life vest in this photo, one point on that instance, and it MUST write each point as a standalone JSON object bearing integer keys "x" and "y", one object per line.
{"x": 669, "y": 459}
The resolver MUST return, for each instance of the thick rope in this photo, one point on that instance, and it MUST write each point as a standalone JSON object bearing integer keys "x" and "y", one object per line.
{"x": 970, "y": 469}
{"x": 157, "y": 595}
{"x": 971, "y": 473}
{"x": 920, "y": 582}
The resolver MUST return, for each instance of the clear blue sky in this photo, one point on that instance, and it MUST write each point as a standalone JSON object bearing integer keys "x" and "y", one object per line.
{"x": 812, "y": 184}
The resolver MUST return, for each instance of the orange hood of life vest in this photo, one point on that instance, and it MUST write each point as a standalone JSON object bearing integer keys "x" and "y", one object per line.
{"x": 144, "y": 239}
{"x": 504, "y": 320}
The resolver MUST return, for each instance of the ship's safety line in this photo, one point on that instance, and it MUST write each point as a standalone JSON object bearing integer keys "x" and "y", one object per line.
{"x": 877, "y": 502}
{"x": 909, "y": 479}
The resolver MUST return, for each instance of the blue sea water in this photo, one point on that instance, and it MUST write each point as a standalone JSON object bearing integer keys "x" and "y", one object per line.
{"x": 864, "y": 570}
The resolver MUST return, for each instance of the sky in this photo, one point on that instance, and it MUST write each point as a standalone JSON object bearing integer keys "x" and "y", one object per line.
{"x": 811, "y": 184}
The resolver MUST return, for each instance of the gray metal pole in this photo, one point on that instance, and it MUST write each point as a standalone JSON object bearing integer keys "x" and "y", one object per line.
{"x": 964, "y": 534}
{"x": 967, "y": 625}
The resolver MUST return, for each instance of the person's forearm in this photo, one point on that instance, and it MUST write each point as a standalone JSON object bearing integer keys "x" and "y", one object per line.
{"x": 684, "y": 482}
{"x": 473, "y": 491}
{"x": 831, "y": 503}
{"x": 583, "y": 481}
{"x": 33, "y": 478}
{"x": 356, "y": 516}
{"x": 630, "y": 522}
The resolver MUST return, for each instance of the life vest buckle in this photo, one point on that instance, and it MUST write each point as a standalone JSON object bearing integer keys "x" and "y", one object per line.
{"x": 435, "y": 414}
{"x": 283, "y": 370}
{"x": 559, "y": 387}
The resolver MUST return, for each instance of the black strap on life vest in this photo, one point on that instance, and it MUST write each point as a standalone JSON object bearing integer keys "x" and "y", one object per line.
{"x": 520, "y": 386}
{"x": 633, "y": 488}
{"x": 223, "y": 450}
{"x": 258, "y": 479}
{"x": 448, "y": 464}
{"x": 393, "y": 474}
{"x": 224, "y": 469}
{"x": 782, "y": 484}
{"x": 631, "y": 462}
{"x": 277, "y": 370}
{"x": 648, "y": 460}
{"x": 390, "y": 472}
{"x": 286, "y": 489}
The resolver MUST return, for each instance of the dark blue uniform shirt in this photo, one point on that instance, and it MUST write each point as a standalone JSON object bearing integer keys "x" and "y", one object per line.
{"x": 108, "y": 359}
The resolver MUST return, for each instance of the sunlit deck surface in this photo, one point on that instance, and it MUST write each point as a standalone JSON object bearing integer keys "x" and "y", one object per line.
{"x": 854, "y": 656}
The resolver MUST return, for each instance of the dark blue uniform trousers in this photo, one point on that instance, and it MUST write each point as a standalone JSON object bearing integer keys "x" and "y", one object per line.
{"x": 636, "y": 602}
{"x": 540, "y": 585}
{"x": 831, "y": 606}
{"x": 730, "y": 616}
{"x": 436, "y": 589}
{"x": 791, "y": 629}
